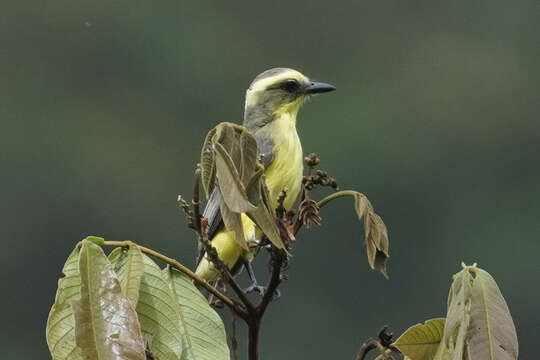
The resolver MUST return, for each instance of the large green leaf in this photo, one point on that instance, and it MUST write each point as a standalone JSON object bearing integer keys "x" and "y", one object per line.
{"x": 492, "y": 334}
{"x": 106, "y": 325}
{"x": 60, "y": 330}
{"x": 157, "y": 314}
{"x": 203, "y": 331}
{"x": 459, "y": 314}
{"x": 478, "y": 324}
{"x": 421, "y": 341}
{"x": 129, "y": 267}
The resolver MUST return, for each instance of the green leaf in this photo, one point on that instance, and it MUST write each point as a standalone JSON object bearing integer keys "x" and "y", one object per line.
{"x": 421, "y": 341}
{"x": 129, "y": 267}
{"x": 458, "y": 315}
{"x": 96, "y": 240}
{"x": 203, "y": 331}
{"x": 479, "y": 324}
{"x": 230, "y": 184}
{"x": 60, "y": 332}
{"x": 106, "y": 325}
{"x": 157, "y": 314}
{"x": 494, "y": 335}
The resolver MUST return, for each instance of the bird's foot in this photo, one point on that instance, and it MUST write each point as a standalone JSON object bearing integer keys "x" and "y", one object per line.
{"x": 261, "y": 290}
{"x": 258, "y": 242}
{"x": 255, "y": 288}
{"x": 276, "y": 295}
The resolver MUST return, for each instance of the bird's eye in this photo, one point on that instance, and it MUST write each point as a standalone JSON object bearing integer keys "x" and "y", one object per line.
{"x": 290, "y": 86}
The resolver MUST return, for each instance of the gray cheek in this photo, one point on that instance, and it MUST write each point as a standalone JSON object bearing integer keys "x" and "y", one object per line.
{"x": 263, "y": 111}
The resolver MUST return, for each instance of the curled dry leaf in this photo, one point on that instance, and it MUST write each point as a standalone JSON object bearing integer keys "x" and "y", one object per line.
{"x": 375, "y": 234}
{"x": 309, "y": 213}
{"x": 229, "y": 159}
{"x": 230, "y": 183}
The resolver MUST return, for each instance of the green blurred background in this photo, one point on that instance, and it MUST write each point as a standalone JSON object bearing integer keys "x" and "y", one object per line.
{"x": 104, "y": 104}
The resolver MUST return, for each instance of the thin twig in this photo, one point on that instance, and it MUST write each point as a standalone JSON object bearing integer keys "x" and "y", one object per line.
{"x": 226, "y": 276}
{"x": 336, "y": 195}
{"x": 367, "y": 347}
{"x": 195, "y": 202}
{"x": 384, "y": 343}
{"x": 211, "y": 251}
{"x": 298, "y": 224}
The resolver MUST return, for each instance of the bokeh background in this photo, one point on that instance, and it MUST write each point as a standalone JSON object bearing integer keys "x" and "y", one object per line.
{"x": 103, "y": 106}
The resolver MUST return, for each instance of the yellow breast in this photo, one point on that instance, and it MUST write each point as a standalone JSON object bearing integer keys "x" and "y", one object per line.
{"x": 285, "y": 171}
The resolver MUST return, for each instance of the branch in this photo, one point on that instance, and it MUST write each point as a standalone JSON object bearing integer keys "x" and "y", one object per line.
{"x": 212, "y": 254}
{"x": 367, "y": 347}
{"x": 383, "y": 343}
{"x": 195, "y": 202}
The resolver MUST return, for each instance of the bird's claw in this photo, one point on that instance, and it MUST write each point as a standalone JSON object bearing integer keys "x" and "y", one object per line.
{"x": 276, "y": 295}
{"x": 261, "y": 290}
{"x": 255, "y": 288}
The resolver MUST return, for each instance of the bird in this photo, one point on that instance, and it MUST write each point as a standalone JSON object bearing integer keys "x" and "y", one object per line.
{"x": 272, "y": 102}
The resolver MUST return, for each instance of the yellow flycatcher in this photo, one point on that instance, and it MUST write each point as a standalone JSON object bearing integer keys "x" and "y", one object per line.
{"x": 272, "y": 103}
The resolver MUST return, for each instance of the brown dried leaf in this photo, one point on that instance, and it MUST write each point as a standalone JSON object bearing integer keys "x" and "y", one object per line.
{"x": 106, "y": 324}
{"x": 265, "y": 218}
{"x": 361, "y": 205}
{"x": 233, "y": 222}
{"x": 248, "y": 157}
{"x": 230, "y": 184}
{"x": 309, "y": 213}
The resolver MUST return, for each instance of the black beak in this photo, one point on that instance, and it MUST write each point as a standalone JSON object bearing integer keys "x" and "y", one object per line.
{"x": 318, "y": 88}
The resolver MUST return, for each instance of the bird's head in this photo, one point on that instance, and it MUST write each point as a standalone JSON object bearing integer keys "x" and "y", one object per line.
{"x": 277, "y": 92}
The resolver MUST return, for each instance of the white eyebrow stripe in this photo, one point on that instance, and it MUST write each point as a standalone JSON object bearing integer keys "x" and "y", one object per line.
{"x": 264, "y": 83}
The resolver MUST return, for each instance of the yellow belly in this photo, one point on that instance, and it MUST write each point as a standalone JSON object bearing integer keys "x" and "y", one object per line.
{"x": 227, "y": 248}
